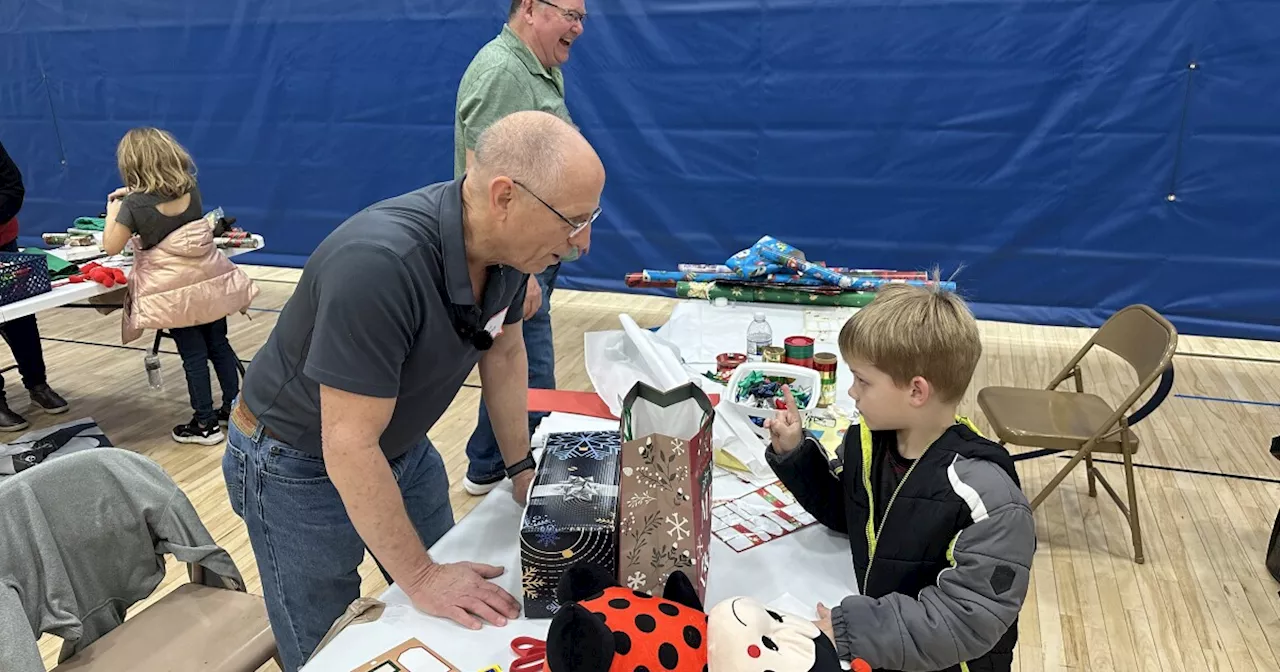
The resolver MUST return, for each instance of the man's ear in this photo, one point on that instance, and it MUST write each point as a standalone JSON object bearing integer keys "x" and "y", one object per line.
{"x": 526, "y": 9}
{"x": 502, "y": 196}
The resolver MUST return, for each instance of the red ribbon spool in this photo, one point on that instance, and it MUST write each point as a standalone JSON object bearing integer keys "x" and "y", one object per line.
{"x": 729, "y": 361}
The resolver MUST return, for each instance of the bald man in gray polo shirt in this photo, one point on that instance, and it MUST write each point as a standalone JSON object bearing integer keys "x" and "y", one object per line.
{"x": 327, "y": 452}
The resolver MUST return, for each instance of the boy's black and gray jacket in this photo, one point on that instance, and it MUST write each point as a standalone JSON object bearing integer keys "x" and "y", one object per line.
{"x": 942, "y": 564}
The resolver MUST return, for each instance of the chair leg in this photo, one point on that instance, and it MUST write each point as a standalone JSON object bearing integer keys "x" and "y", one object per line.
{"x": 1088, "y": 466}
{"x": 1075, "y": 460}
{"x": 1134, "y": 525}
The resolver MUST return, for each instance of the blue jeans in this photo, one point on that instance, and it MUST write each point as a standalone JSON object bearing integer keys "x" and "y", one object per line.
{"x": 307, "y": 549}
{"x": 198, "y": 346}
{"x": 485, "y": 463}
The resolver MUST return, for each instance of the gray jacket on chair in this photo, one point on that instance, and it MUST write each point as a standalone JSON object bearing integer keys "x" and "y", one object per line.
{"x": 82, "y": 539}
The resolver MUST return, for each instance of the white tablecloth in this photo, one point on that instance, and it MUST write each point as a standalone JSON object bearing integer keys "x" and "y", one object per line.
{"x": 702, "y": 331}
{"x": 792, "y": 573}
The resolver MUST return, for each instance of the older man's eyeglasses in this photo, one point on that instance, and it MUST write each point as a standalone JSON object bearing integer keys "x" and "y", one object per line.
{"x": 570, "y": 15}
{"x": 577, "y": 226}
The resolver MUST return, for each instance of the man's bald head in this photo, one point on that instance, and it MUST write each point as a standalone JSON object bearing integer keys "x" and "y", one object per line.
{"x": 532, "y": 189}
{"x": 537, "y": 149}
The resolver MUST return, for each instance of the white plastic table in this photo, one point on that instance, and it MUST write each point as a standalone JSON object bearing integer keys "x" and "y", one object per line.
{"x": 78, "y": 292}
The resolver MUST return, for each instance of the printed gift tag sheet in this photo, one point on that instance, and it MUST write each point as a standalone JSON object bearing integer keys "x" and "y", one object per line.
{"x": 758, "y": 517}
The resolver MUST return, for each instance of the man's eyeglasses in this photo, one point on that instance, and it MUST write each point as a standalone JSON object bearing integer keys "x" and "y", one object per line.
{"x": 576, "y": 226}
{"x": 570, "y": 15}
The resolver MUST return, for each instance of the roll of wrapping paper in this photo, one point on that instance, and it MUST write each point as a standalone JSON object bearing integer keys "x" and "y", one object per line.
{"x": 782, "y": 271}
{"x": 728, "y": 361}
{"x": 775, "y": 354}
{"x": 236, "y": 239}
{"x": 709, "y": 290}
{"x": 782, "y": 253}
{"x": 825, "y": 364}
{"x": 653, "y": 278}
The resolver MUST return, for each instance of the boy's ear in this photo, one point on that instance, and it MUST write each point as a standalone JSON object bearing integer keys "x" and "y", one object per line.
{"x": 921, "y": 391}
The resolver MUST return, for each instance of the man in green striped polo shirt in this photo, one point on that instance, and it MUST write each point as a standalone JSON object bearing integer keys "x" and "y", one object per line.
{"x": 516, "y": 71}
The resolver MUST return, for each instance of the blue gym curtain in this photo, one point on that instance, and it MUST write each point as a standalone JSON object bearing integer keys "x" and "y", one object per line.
{"x": 1074, "y": 157}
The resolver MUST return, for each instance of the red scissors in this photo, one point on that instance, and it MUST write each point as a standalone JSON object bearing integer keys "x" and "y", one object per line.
{"x": 531, "y": 654}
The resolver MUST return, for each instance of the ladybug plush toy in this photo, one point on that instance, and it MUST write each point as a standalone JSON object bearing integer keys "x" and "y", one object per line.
{"x": 604, "y": 627}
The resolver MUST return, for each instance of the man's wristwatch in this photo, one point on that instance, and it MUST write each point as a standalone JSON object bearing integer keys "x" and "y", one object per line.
{"x": 523, "y": 465}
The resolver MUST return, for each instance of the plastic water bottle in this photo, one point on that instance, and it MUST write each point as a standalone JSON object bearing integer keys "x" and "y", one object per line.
{"x": 152, "y": 364}
{"x": 759, "y": 336}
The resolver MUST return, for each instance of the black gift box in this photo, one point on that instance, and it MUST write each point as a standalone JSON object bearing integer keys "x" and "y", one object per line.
{"x": 572, "y": 514}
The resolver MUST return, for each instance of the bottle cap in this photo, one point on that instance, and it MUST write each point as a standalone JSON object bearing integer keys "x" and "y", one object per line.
{"x": 759, "y": 317}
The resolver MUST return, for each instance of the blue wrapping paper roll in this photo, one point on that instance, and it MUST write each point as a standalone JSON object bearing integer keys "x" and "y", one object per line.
{"x": 694, "y": 276}
{"x": 779, "y": 252}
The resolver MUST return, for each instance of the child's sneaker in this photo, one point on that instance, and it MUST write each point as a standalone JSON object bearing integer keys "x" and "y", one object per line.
{"x": 200, "y": 433}
{"x": 224, "y": 416}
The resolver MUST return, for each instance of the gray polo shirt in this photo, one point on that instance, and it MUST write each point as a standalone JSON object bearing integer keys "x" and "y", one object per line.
{"x": 374, "y": 314}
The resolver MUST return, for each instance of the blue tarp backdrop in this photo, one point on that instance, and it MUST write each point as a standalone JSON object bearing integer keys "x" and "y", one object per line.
{"x": 1075, "y": 157}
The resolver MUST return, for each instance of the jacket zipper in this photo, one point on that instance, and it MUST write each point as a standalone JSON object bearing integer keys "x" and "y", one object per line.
{"x": 873, "y": 535}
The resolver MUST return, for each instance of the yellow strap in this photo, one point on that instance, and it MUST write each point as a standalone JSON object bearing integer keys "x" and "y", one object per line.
{"x": 968, "y": 423}
{"x": 864, "y": 438}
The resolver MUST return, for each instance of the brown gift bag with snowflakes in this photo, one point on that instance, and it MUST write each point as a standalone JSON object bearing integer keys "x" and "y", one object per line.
{"x": 665, "y": 496}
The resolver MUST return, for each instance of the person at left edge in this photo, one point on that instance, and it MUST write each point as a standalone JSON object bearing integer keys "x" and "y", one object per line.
{"x": 22, "y": 334}
{"x": 327, "y": 449}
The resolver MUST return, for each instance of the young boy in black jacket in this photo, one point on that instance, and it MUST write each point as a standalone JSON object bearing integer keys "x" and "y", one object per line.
{"x": 942, "y": 535}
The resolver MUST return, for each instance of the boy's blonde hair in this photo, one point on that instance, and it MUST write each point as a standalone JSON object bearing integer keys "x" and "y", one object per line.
{"x": 153, "y": 162}
{"x": 910, "y": 331}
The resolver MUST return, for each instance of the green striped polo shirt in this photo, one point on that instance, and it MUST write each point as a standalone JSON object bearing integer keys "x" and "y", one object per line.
{"x": 504, "y": 77}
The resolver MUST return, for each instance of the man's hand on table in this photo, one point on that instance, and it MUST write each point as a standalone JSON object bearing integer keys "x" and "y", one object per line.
{"x": 462, "y": 592}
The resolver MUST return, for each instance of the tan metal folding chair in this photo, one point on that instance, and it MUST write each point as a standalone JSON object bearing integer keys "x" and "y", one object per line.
{"x": 193, "y": 627}
{"x": 1085, "y": 423}
{"x": 83, "y": 538}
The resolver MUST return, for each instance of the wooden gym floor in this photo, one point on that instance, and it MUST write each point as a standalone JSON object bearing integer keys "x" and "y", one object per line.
{"x": 1208, "y": 489}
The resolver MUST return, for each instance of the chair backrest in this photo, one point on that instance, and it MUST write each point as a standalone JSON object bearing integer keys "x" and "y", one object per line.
{"x": 83, "y": 539}
{"x": 1142, "y": 337}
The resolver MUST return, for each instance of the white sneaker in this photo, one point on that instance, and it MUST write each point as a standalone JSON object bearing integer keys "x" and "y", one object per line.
{"x": 479, "y": 489}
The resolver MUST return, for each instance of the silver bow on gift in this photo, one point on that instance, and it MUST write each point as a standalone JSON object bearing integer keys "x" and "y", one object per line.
{"x": 575, "y": 488}
{"x": 581, "y": 488}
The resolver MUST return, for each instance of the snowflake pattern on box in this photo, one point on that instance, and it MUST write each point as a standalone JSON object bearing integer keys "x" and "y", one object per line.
{"x": 589, "y": 445}
{"x": 559, "y": 529}
{"x": 546, "y": 533}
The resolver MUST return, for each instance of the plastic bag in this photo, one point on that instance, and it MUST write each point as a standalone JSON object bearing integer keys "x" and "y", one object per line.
{"x": 617, "y": 360}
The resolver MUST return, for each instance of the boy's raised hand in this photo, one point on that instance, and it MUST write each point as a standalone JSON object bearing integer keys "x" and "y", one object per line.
{"x": 784, "y": 428}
